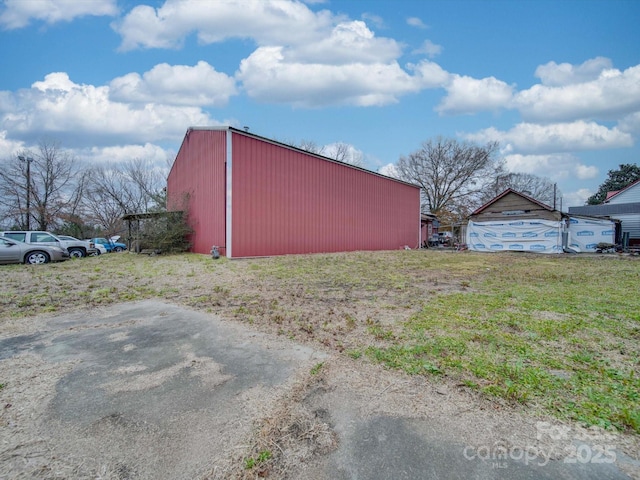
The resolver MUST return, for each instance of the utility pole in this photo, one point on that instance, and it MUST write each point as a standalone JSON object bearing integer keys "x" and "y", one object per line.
{"x": 28, "y": 160}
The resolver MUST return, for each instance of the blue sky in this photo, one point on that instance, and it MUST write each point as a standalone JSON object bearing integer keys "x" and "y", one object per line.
{"x": 557, "y": 83}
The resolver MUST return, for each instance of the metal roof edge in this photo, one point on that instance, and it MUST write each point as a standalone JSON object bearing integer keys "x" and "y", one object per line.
{"x": 595, "y": 217}
{"x": 205, "y": 128}
{"x": 632, "y": 208}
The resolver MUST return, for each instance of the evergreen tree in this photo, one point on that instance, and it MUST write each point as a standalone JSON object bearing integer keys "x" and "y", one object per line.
{"x": 618, "y": 179}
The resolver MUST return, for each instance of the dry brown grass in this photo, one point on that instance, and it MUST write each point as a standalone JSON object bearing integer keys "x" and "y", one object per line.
{"x": 334, "y": 300}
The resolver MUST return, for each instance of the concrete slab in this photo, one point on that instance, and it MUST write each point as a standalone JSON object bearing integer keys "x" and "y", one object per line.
{"x": 152, "y": 391}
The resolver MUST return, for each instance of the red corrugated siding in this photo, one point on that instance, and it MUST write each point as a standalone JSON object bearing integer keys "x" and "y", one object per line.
{"x": 200, "y": 172}
{"x": 285, "y": 201}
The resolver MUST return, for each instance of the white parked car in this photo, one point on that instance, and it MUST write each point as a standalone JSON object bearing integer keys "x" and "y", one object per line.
{"x": 100, "y": 249}
{"x": 90, "y": 248}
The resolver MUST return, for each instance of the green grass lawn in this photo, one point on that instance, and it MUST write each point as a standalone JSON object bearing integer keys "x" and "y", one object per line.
{"x": 560, "y": 334}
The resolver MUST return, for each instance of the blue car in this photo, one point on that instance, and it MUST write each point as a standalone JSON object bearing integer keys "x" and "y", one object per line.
{"x": 110, "y": 245}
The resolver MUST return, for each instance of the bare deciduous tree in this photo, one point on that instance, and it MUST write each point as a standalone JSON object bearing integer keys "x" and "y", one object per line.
{"x": 451, "y": 174}
{"x": 48, "y": 181}
{"x": 343, "y": 152}
{"x": 105, "y": 199}
{"x": 13, "y": 194}
{"x": 147, "y": 181}
{"x": 134, "y": 188}
{"x": 309, "y": 146}
{"x": 539, "y": 188}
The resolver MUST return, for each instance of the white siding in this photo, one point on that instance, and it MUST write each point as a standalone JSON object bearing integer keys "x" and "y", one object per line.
{"x": 631, "y": 224}
{"x": 630, "y": 221}
{"x": 631, "y": 195}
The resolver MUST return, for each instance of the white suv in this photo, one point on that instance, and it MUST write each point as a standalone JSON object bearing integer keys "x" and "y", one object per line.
{"x": 77, "y": 248}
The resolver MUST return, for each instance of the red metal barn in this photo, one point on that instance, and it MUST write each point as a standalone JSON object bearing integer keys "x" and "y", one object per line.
{"x": 252, "y": 196}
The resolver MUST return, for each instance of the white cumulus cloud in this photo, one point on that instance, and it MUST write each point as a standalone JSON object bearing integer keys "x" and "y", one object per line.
{"x": 348, "y": 42}
{"x": 557, "y": 166}
{"x": 612, "y": 94}
{"x": 9, "y": 147}
{"x": 471, "y": 95}
{"x": 19, "y": 13}
{"x": 111, "y": 155}
{"x": 576, "y": 198}
{"x": 430, "y": 74}
{"x": 269, "y": 76}
{"x": 556, "y": 75}
{"x": 176, "y": 85}
{"x": 389, "y": 170}
{"x": 586, "y": 172}
{"x": 267, "y": 22}
{"x": 553, "y": 138}
{"x": 429, "y": 49}
{"x": 80, "y": 114}
{"x": 303, "y": 58}
{"x": 630, "y": 123}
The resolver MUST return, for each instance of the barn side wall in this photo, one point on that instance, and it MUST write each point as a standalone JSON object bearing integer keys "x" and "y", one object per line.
{"x": 197, "y": 178}
{"x": 285, "y": 201}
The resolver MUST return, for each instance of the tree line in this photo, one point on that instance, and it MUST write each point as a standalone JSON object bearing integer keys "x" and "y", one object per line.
{"x": 458, "y": 177}
{"x": 48, "y": 189}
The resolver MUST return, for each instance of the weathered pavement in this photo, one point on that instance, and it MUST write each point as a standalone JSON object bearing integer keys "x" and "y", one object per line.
{"x": 153, "y": 391}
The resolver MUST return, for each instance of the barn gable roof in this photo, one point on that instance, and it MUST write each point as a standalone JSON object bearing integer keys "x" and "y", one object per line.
{"x": 507, "y": 192}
